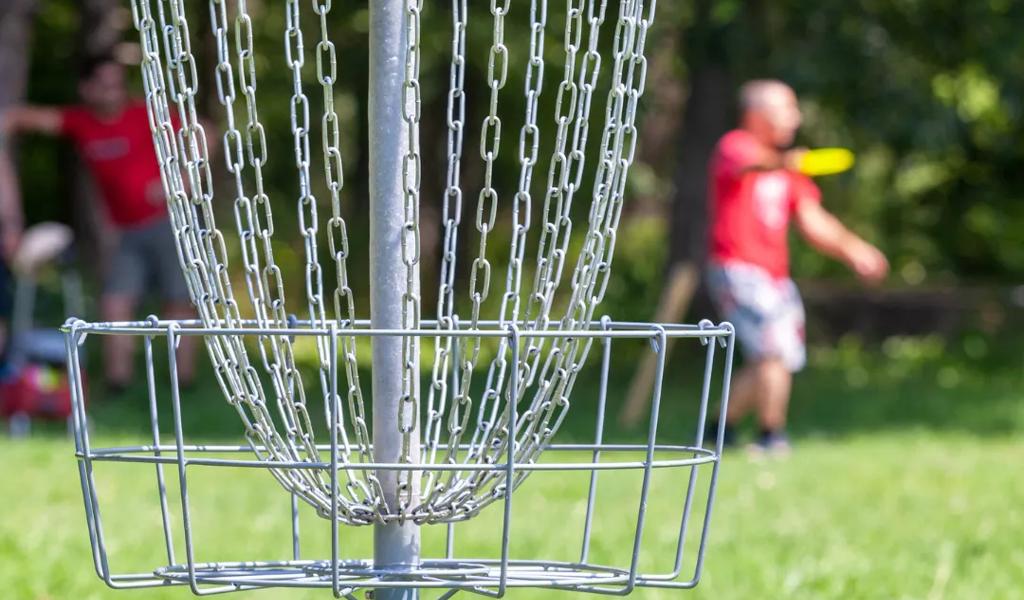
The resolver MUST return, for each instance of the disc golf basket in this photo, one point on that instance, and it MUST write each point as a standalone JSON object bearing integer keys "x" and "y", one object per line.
{"x": 410, "y": 462}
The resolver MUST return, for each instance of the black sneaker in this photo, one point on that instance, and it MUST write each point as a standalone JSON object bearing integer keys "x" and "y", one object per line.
{"x": 772, "y": 443}
{"x": 711, "y": 435}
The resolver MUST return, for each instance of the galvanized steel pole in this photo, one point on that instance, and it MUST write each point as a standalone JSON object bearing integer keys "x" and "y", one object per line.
{"x": 396, "y": 547}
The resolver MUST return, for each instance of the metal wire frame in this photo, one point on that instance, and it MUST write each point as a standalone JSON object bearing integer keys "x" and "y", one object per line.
{"x": 450, "y": 573}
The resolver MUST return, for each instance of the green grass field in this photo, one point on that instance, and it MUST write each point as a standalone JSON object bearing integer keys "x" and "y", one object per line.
{"x": 903, "y": 485}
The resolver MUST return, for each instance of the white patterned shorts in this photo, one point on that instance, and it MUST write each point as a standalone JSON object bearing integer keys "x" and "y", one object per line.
{"x": 766, "y": 311}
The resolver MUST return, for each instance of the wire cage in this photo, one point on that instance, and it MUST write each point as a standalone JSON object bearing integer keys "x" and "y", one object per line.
{"x": 453, "y": 451}
{"x": 674, "y": 470}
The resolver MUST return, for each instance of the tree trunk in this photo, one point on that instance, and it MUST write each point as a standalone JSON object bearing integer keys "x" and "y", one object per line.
{"x": 16, "y": 18}
{"x": 102, "y": 27}
{"x": 707, "y": 118}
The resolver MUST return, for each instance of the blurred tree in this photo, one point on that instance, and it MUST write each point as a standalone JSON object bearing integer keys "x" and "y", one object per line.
{"x": 15, "y": 49}
{"x": 927, "y": 92}
{"x": 101, "y": 28}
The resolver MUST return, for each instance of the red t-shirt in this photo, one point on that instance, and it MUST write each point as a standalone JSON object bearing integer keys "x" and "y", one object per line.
{"x": 750, "y": 209}
{"x": 119, "y": 153}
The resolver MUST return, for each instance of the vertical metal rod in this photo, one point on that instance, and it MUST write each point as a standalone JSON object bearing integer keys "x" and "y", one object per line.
{"x": 730, "y": 349}
{"x": 296, "y": 540}
{"x": 396, "y": 546}
{"x": 179, "y": 440}
{"x": 602, "y": 402}
{"x": 80, "y": 422}
{"x": 449, "y": 541}
{"x": 652, "y": 438}
{"x": 333, "y": 408}
{"x": 510, "y": 464}
{"x": 705, "y": 393}
{"x": 154, "y": 420}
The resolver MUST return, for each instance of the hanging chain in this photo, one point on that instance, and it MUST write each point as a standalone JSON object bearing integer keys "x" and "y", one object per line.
{"x": 569, "y": 167}
{"x": 182, "y": 151}
{"x": 489, "y": 434}
{"x": 617, "y": 152}
{"x": 451, "y": 216}
{"x": 572, "y": 112}
{"x": 408, "y": 405}
{"x": 275, "y": 352}
{"x": 485, "y": 219}
{"x": 567, "y": 355}
{"x": 337, "y": 239}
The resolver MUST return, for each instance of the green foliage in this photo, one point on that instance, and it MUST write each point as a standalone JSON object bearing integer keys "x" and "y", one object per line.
{"x": 926, "y": 93}
{"x": 638, "y": 272}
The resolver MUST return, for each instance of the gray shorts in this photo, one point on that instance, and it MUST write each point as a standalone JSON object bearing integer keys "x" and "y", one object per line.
{"x": 146, "y": 260}
{"x": 767, "y": 312}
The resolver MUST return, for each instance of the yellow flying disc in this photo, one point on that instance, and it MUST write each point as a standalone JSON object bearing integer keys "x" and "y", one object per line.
{"x": 826, "y": 161}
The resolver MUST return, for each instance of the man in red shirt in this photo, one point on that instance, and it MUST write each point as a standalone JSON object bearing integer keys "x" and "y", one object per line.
{"x": 111, "y": 132}
{"x": 755, "y": 191}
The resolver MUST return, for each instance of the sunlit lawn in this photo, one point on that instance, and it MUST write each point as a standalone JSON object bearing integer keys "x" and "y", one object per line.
{"x": 906, "y": 486}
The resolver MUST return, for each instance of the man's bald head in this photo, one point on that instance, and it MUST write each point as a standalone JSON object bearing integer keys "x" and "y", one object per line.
{"x": 770, "y": 111}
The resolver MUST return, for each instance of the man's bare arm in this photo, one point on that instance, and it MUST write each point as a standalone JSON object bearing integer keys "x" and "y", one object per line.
{"x": 30, "y": 119}
{"x": 770, "y": 160}
{"x": 20, "y": 119}
{"x": 829, "y": 236}
{"x": 11, "y": 218}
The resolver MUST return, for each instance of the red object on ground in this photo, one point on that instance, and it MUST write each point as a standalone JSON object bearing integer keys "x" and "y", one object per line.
{"x": 751, "y": 209}
{"x": 37, "y": 391}
{"x": 119, "y": 153}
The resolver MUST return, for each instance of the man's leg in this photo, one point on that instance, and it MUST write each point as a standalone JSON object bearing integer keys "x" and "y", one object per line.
{"x": 786, "y": 354}
{"x": 173, "y": 293}
{"x": 742, "y": 394}
{"x": 732, "y": 293}
{"x": 117, "y": 349}
{"x": 125, "y": 282}
{"x": 774, "y": 382}
{"x": 763, "y": 386}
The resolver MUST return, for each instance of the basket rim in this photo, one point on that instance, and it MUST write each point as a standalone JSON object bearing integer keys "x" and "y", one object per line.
{"x": 167, "y": 454}
{"x": 604, "y": 328}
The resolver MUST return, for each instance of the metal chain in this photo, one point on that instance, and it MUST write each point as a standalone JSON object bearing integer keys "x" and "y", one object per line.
{"x": 451, "y": 217}
{"x": 337, "y": 238}
{"x": 201, "y": 252}
{"x": 408, "y": 406}
{"x": 618, "y": 148}
{"x": 566, "y": 357}
{"x": 489, "y": 434}
{"x": 572, "y": 112}
{"x": 486, "y": 217}
{"x": 201, "y": 245}
{"x": 550, "y": 373}
{"x": 273, "y": 350}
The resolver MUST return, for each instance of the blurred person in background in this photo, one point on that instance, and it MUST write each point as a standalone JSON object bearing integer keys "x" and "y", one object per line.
{"x": 756, "y": 190}
{"x": 10, "y": 231}
{"x": 110, "y": 131}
